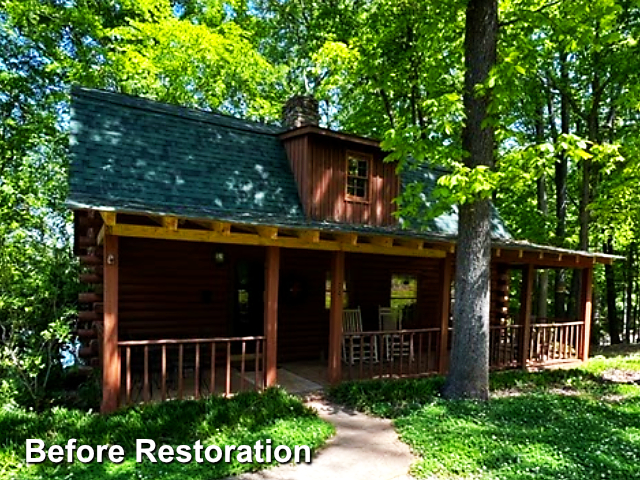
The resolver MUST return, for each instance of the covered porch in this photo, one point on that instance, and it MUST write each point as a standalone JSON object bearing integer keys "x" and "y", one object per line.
{"x": 191, "y": 309}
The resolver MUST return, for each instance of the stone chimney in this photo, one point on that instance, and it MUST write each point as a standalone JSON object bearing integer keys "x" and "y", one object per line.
{"x": 300, "y": 111}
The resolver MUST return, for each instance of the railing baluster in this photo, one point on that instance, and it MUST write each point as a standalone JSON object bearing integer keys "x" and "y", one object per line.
{"x": 401, "y": 352}
{"x": 411, "y": 359}
{"x": 383, "y": 353}
{"x": 163, "y": 386}
{"x": 212, "y": 389}
{"x": 244, "y": 347}
{"x": 393, "y": 355}
{"x": 227, "y": 387}
{"x": 420, "y": 353}
{"x": 350, "y": 359}
{"x": 257, "y": 387}
{"x": 197, "y": 372}
{"x": 361, "y": 359}
{"x": 180, "y": 365}
{"x": 373, "y": 345}
{"x": 128, "y": 374}
{"x": 146, "y": 395}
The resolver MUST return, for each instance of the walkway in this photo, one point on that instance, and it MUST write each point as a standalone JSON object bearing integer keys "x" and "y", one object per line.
{"x": 364, "y": 448}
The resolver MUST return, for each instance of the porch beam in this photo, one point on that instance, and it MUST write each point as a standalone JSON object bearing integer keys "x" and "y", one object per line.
{"x": 309, "y": 236}
{"x": 170, "y": 223}
{"x": 335, "y": 318}
{"x": 193, "y": 235}
{"x": 268, "y": 232}
{"x": 410, "y": 243}
{"x": 109, "y": 218}
{"x": 347, "y": 238}
{"x": 271, "y": 275}
{"x": 526, "y": 292}
{"x": 585, "y": 310}
{"x": 523, "y": 257}
{"x": 386, "y": 242}
{"x": 445, "y": 297}
{"x": 110, "y": 354}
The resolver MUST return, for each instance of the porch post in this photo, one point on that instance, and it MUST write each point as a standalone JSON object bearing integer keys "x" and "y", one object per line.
{"x": 335, "y": 318}
{"x": 271, "y": 280}
{"x": 585, "y": 310}
{"x": 110, "y": 354}
{"x": 445, "y": 309}
{"x": 526, "y": 294}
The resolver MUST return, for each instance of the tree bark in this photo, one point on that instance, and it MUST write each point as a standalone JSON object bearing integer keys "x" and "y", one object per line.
{"x": 469, "y": 365}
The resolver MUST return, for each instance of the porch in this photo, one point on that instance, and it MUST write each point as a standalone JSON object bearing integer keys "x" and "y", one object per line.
{"x": 217, "y": 315}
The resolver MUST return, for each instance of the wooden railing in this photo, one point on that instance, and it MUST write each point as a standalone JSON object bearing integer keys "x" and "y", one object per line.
{"x": 555, "y": 342}
{"x": 393, "y": 353}
{"x": 505, "y": 346}
{"x": 190, "y": 368}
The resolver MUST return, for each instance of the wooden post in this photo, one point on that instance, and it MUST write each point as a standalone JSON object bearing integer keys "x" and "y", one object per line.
{"x": 445, "y": 309}
{"x": 526, "y": 294}
{"x": 110, "y": 354}
{"x": 271, "y": 280}
{"x": 585, "y": 310}
{"x": 335, "y": 318}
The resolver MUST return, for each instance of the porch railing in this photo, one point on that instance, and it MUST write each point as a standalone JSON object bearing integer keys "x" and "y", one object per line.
{"x": 181, "y": 368}
{"x": 392, "y": 353}
{"x": 505, "y": 346}
{"x": 555, "y": 342}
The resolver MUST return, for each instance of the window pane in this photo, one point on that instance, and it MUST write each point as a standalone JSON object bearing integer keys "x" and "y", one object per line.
{"x": 362, "y": 168}
{"x": 353, "y": 166}
{"x": 404, "y": 295}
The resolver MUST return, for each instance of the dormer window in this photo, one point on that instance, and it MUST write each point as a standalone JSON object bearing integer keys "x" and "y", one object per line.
{"x": 358, "y": 171}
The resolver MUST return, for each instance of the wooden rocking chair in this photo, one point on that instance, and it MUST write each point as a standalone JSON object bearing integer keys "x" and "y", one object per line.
{"x": 390, "y": 319}
{"x": 356, "y": 344}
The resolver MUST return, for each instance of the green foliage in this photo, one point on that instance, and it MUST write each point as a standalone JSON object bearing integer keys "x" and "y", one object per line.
{"x": 570, "y": 424}
{"x": 241, "y": 420}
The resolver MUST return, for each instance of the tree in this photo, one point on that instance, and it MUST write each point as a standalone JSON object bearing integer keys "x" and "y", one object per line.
{"x": 469, "y": 365}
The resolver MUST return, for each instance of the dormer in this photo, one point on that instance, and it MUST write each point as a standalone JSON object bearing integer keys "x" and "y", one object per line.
{"x": 340, "y": 177}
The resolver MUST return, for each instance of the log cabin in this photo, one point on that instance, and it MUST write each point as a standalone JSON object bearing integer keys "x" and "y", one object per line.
{"x": 221, "y": 254}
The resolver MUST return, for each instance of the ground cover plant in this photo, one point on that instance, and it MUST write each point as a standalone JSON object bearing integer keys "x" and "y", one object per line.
{"x": 577, "y": 424}
{"x": 240, "y": 420}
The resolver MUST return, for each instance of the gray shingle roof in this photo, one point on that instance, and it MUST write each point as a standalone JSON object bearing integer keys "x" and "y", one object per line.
{"x": 136, "y": 155}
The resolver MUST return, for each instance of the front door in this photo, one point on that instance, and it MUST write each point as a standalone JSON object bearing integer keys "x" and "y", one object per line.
{"x": 248, "y": 299}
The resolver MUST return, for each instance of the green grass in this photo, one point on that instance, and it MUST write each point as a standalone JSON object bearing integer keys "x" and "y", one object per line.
{"x": 557, "y": 424}
{"x": 242, "y": 419}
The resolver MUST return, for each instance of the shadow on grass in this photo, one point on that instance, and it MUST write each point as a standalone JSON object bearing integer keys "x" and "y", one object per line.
{"x": 542, "y": 436}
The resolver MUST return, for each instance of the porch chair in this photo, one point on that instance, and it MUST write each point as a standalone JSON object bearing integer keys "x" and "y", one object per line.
{"x": 352, "y": 323}
{"x": 390, "y": 319}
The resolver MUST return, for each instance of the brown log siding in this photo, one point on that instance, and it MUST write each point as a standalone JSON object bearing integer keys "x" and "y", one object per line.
{"x": 176, "y": 290}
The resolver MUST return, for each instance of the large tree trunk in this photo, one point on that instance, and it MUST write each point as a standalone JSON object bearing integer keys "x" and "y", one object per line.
{"x": 469, "y": 365}
{"x": 612, "y": 309}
